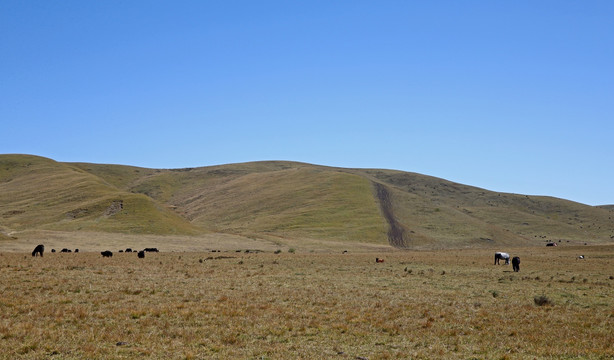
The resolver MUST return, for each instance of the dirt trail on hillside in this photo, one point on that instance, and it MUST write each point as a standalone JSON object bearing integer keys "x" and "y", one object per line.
{"x": 396, "y": 233}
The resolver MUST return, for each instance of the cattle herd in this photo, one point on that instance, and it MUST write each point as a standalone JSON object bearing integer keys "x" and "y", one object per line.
{"x": 40, "y": 249}
{"x": 506, "y": 257}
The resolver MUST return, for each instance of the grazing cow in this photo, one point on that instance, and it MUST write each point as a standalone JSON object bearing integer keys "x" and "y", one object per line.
{"x": 52, "y": 250}
{"x": 516, "y": 263}
{"x": 551, "y": 244}
{"x": 128, "y": 250}
{"x": 76, "y": 250}
{"x": 141, "y": 254}
{"x": 65, "y": 250}
{"x": 151, "y": 250}
{"x": 106, "y": 253}
{"x": 38, "y": 250}
{"x": 378, "y": 260}
{"x": 502, "y": 256}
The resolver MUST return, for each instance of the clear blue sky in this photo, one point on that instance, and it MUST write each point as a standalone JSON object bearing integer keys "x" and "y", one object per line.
{"x": 511, "y": 96}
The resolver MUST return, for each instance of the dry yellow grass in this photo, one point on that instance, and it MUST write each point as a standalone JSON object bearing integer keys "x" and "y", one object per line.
{"x": 285, "y": 201}
{"x": 205, "y": 305}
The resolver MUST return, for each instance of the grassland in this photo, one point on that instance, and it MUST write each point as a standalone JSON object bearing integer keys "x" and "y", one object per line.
{"x": 39, "y": 193}
{"x": 296, "y": 293}
{"x": 283, "y": 202}
{"x": 308, "y": 305}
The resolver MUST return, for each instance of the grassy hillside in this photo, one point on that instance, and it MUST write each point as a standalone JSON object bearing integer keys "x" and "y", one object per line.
{"x": 38, "y": 193}
{"x": 286, "y": 200}
{"x": 274, "y": 199}
{"x": 451, "y": 214}
{"x": 301, "y": 202}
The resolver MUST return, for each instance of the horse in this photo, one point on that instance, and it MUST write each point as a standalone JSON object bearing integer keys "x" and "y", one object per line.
{"x": 38, "y": 250}
{"x": 516, "y": 263}
{"x": 502, "y": 256}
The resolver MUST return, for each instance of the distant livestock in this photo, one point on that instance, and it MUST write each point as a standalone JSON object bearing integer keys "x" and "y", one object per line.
{"x": 52, "y": 250}
{"x": 551, "y": 244}
{"x": 128, "y": 250}
{"x": 502, "y": 256}
{"x": 516, "y": 263}
{"x": 378, "y": 260}
{"x": 151, "y": 250}
{"x": 76, "y": 250}
{"x": 106, "y": 253}
{"x": 580, "y": 257}
{"x": 65, "y": 250}
{"x": 141, "y": 254}
{"x": 38, "y": 250}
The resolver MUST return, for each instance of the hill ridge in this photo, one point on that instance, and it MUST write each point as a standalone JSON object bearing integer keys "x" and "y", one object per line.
{"x": 286, "y": 200}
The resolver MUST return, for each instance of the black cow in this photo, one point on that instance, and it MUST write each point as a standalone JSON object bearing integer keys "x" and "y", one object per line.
{"x": 106, "y": 253}
{"x": 141, "y": 254}
{"x": 66, "y": 250}
{"x": 128, "y": 250}
{"x": 516, "y": 263}
{"x": 151, "y": 250}
{"x": 76, "y": 250}
{"x": 52, "y": 250}
{"x": 38, "y": 250}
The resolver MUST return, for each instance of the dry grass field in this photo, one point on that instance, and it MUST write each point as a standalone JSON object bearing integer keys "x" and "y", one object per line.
{"x": 303, "y": 305}
{"x": 278, "y": 201}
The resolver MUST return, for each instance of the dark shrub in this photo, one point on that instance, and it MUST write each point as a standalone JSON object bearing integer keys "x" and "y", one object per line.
{"x": 542, "y": 300}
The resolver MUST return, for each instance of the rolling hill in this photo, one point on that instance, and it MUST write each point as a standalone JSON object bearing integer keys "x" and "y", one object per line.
{"x": 285, "y": 200}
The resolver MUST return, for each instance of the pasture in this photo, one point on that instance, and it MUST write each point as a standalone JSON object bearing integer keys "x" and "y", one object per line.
{"x": 308, "y": 305}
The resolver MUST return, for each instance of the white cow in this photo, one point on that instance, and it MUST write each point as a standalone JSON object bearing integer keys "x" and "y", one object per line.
{"x": 502, "y": 256}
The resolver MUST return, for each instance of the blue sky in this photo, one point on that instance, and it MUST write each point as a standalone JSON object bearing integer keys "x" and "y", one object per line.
{"x": 511, "y": 96}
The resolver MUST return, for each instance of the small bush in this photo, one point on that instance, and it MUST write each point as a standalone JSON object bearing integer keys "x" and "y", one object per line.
{"x": 542, "y": 300}
{"x": 278, "y": 251}
{"x": 291, "y": 250}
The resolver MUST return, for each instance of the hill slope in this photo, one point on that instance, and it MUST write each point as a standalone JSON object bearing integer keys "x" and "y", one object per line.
{"x": 277, "y": 200}
{"x": 459, "y": 215}
{"x": 40, "y": 193}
